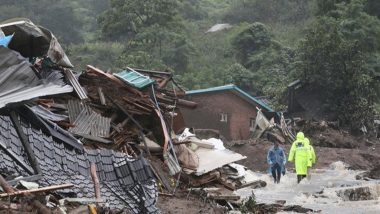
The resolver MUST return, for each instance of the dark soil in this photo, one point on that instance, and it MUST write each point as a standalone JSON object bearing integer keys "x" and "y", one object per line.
{"x": 180, "y": 203}
{"x": 330, "y": 145}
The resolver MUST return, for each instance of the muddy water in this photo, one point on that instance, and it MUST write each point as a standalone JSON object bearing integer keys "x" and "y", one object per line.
{"x": 333, "y": 190}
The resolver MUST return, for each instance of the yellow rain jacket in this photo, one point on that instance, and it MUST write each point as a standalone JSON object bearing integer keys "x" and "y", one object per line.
{"x": 313, "y": 157}
{"x": 300, "y": 152}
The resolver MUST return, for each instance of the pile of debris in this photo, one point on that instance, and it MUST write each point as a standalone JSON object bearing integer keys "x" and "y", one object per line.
{"x": 95, "y": 138}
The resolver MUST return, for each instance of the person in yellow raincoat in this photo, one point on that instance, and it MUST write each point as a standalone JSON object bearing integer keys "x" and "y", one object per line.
{"x": 300, "y": 153}
{"x": 313, "y": 157}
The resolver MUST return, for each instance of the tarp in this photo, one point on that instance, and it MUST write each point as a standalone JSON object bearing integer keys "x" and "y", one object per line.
{"x": 4, "y": 41}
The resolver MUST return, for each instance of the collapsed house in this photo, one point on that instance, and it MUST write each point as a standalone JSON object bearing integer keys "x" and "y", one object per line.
{"x": 54, "y": 127}
{"x": 95, "y": 137}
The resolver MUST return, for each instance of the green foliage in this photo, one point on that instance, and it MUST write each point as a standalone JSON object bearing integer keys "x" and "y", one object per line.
{"x": 127, "y": 18}
{"x": 268, "y": 11}
{"x": 268, "y": 61}
{"x": 338, "y": 53}
{"x": 140, "y": 59}
{"x": 58, "y": 17}
{"x": 238, "y": 75}
{"x": 249, "y": 205}
{"x": 327, "y": 6}
{"x": 253, "y": 38}
{"x": 336, "y": 60}
{"x": 373, "y": 7}
{"x": 99, "y": 54}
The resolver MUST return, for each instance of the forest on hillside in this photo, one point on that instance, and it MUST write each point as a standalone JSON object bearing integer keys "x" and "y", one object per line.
{"x": 332, "y": 45}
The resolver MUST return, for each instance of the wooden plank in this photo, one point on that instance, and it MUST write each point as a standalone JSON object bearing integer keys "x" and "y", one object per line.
{"x": 4, "y": 184}
{"x": 157, "y": 170}
{"x": 25, "y": 142}
{"x": 29, "y": 178}
{"x": 43, "y": 189}
{"x": 95, "y": 179}
{"x": 101, "y": 96}
{"x": 224, "y": 197}
{"x": 15, "y": 157}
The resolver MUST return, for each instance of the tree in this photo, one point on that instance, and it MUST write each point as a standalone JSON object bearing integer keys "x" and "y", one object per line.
{"x": 324, "y": 7}
{"x": 127, "y": 18}
{"x": 335, "y": 60}
{"x": 252, "y": 38}
{"x": 58, "y": 16}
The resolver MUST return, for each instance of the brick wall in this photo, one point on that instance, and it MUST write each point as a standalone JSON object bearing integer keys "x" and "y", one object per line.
{"x": 211, "y": 105}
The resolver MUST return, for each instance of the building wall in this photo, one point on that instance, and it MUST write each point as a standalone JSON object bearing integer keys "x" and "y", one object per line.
{"x": 211, "y": 105}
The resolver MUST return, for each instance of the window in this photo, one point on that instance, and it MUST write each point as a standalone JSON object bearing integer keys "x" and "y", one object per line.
{"x": 252, "y": 122}
{"x": 223, "y": 117}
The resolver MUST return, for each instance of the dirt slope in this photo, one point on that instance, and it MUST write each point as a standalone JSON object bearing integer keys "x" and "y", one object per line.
{"x": 330, "y": 145}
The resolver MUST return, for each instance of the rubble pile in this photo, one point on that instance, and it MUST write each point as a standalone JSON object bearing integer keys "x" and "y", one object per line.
{"x": 95, "y": 140}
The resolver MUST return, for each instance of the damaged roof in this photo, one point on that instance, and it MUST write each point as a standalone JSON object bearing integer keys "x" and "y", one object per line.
{"x": 135, "y": 79}
{"x": 18, "y": 81}
{"x": 124, "y": 181}
{"x": 44, "y": 42}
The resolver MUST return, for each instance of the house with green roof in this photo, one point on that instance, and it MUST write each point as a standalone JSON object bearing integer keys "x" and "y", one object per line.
{"x": 228, "y": 109}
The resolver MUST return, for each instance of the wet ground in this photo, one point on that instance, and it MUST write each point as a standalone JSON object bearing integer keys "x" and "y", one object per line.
{"x": 330, "y": 190}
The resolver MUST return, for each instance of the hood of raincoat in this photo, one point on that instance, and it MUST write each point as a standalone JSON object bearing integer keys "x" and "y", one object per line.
{"x": 300, "y": 136}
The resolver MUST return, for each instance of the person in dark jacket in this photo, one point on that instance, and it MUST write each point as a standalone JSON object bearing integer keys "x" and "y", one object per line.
{"x": 276, "y": 159}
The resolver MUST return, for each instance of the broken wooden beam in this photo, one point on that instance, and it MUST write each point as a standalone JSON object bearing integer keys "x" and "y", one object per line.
{"x": 29, "y": 178}
{"x": 25, "y": 142}
{"x": 43, "y": 189}
{"x": 101, "y": 96}
{"x": 6, "y": 187}
{"x": 224, "y": 197}
{"x": 16, "y": 158}
{"x": 95, "y": 179}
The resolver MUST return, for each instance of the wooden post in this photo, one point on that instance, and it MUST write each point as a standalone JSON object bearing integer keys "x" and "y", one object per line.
{"x": 96, "y": 181}
{"x": 25, "y": 142}
{"x": 4, "y": 184}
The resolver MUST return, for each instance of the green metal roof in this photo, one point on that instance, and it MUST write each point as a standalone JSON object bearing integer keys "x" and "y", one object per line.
{"x": 233, "y": 88}
{"x": 134, "y": 78}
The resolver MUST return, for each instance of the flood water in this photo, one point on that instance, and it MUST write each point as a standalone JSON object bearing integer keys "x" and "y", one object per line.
{"x": 325, "y": 191}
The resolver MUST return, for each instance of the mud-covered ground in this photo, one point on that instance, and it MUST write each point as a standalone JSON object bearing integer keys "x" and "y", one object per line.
{"x": 186, "y": 203}
{"x": 330, "y": 144}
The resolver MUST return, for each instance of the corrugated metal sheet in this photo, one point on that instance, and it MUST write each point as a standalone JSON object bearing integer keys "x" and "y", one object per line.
{"x": 101, "y": 127}
{"x": 74, "y": 82}
{"x": 91, "y": 124}
{"x": 45, "y": 113}
{"x": 83, "y": 123}
{"x": 18, "y": 82}
{"x": 75, "y": 107}
{"x": 134, "y": 78}
{"x": 210, "y": 159}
